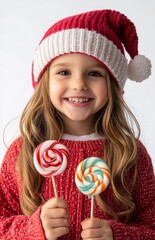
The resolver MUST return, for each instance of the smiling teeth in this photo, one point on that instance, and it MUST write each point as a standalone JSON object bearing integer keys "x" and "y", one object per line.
{"x": 78, "y": 100}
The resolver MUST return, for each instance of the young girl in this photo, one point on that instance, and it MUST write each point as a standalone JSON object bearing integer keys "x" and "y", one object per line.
{"x": 79, "y": 72}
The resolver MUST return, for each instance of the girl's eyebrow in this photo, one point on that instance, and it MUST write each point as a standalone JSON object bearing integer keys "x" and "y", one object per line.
{"x": 98, "y": 66}
{"x": 61, "y": 65}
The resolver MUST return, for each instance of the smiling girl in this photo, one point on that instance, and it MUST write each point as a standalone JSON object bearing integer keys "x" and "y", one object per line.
{"x": 79, "y": 72}
{"x": 78, "y": 89}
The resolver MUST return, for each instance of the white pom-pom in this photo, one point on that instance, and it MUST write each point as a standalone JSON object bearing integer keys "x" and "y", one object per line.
{"x": 139, "y": 68}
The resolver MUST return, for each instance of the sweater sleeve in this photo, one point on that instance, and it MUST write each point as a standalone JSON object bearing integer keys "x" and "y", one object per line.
{"x": 142, "y": 224}
{"x": 13, "y": 224}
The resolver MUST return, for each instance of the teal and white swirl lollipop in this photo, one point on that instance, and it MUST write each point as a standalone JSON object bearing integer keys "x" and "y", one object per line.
{"x": 92, "y": 177}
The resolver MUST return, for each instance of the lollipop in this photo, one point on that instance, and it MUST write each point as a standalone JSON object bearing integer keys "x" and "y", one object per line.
{"x": 50, "y": 159}
{"x": 92, "y": 177}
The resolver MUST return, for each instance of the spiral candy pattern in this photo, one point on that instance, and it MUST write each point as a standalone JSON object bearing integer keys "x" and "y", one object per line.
{"x": 50, "y": 158}
{"x": 92, "y": 176}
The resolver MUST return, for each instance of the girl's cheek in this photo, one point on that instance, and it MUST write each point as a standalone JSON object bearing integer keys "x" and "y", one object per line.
{"x": 55, "y": 87}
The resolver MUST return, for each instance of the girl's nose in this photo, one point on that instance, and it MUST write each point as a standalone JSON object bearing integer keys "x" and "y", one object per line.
{"x": 79, "y": 83}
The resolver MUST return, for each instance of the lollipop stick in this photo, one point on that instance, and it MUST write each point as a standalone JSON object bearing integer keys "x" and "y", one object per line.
{"x": 92, "y": 206}
{"x": 54, "y": 186}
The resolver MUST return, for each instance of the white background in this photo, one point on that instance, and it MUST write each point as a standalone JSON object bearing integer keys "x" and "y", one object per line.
{"x": 22, "y": 25}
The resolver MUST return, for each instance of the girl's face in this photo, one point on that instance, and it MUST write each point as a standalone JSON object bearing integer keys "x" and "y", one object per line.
{"x": 78, "y": 89}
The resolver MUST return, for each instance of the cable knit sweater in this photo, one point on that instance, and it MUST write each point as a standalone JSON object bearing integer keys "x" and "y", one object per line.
{"x": 15, "y": 226}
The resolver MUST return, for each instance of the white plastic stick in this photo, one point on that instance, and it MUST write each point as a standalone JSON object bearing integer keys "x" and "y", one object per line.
{"x": 92, "y": 207}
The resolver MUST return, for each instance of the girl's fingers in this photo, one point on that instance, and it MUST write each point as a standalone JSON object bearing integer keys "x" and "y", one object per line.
{"x": 92, "y": 233}
{"x": 57, "y": 223}
{"x": 54, "y": 208}
{"x": 93, "y": 223}
{"x": 55, "y": 218}
{"x": 96, "y": 229}
{"x": 56, "y": 232}
{"x": 54, "y": 213}
{"x": 56, "y": 203}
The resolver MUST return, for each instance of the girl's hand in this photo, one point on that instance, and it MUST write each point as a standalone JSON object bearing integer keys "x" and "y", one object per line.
{"x": 55, "y": 218}
{"x": 96, "y": 229}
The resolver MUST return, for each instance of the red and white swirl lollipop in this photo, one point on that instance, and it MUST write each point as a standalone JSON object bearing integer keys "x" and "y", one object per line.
{"x": 92, "y": 177}
{"x": 50, "y": 159}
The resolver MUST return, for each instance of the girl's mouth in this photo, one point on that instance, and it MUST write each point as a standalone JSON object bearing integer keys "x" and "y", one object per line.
{"x": 78, "y": 100}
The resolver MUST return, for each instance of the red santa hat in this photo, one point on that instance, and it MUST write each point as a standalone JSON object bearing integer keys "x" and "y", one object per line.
{"x": 102, "y": 34}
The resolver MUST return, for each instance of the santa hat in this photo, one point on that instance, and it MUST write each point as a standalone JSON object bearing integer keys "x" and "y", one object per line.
{"x": 102, "y": 34}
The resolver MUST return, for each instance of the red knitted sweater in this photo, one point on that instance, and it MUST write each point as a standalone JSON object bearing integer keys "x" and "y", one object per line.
{"x": 15, "y": 226}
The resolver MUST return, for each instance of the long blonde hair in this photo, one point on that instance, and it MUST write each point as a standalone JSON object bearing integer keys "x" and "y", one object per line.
{"x": 40, "y": 121}
{"x": 117, "y": 123}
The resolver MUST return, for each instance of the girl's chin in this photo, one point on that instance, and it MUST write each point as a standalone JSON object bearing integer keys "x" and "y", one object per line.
{"x": 78, "y": 119}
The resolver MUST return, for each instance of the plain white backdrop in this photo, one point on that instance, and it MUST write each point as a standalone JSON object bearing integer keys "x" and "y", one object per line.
{"x": 22, "y": 25}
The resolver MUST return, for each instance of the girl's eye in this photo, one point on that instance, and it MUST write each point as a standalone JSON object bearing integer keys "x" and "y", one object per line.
{"x": 95, "y": 74}
{"x": 64, "y": 73}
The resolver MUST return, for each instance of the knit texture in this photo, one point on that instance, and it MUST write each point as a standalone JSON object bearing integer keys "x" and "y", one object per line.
{"x": 101, "y": 34}
{"x": 15, "y": 226}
